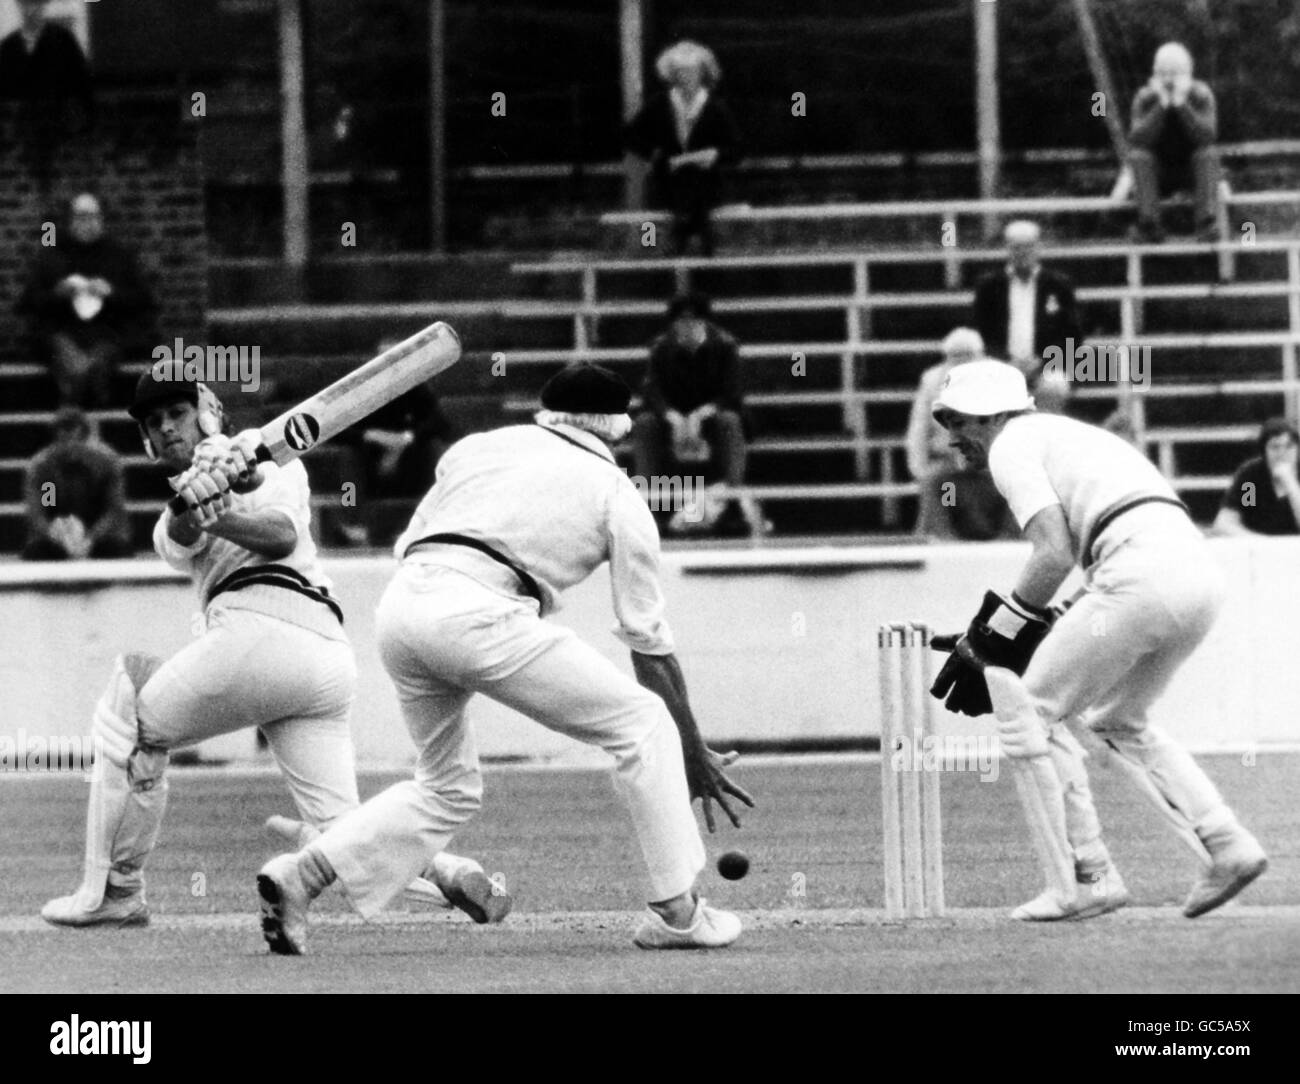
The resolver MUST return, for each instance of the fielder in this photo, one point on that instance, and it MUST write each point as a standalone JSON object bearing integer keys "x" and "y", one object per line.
{"x": 1082, "y": 495}
{"x": 517, "y": 516}
{"x": 273, "y": 655}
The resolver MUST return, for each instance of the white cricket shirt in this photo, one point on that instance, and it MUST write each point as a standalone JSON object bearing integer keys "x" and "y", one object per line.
{"x": 212, "y": 559}
{"x": 552, "y": 500}
{"x": 1043, "y": 459}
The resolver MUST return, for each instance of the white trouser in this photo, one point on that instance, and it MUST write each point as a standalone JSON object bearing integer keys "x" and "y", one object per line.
{"x": 443, "y": 637}
{"x": 251, "y": 670}
{"x": 1149, "y": 604}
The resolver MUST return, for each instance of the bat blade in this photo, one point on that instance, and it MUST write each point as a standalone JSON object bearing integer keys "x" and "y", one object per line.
{"x": 350, "y": 398}
{"x": 363, "y": 391}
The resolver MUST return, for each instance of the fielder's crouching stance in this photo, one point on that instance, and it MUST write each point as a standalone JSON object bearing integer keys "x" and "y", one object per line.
{"x": 516, "y": 516}
{"x": 273, "y": 654}
{"x": 1153, "y": 591}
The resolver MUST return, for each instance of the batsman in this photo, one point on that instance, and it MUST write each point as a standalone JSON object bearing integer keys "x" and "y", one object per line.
{"x": 1152, "y": 591}
{"x": 272, "y": 654}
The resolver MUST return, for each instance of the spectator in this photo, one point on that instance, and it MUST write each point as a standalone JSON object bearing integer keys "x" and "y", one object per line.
{"x": 1175, "y": 124}
{"x": 76, "y": 497}
{"x": 1264, "y": 495}
{"x": 954, "y": 502}
{"x": 41, "y": 63}
{"x": 88, "y": 306}
{"x": 687, "y": 134}
{"x": 693, "y": 408}
{"x": 391, "y": 455}
{"x": 1023, "y": 309}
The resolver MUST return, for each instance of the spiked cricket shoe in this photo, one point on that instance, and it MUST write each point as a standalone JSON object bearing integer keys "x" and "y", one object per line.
{"x": 284, "y": 901}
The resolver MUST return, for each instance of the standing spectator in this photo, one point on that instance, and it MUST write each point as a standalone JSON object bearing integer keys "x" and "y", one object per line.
{"x": 1264, "y": 495}
{"x": 41, "y": 64}
{"x": 76, "y": 497}
{"x": 1023, "y": 309}
{"x": 687, "y": 134}
{"x": 954, "y": 502}
{"x": 1175, "y": 124}
{"x": 88, "y": 306}
{"x": 694, "y": 412}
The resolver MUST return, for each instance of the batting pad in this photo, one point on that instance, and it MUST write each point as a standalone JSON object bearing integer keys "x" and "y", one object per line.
{"x": 128, "y": 791}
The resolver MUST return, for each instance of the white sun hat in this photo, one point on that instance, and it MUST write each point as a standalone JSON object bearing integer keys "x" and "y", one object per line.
{"x": 981, "y": 388}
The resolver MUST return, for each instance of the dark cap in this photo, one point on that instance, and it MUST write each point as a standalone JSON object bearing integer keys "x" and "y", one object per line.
{"x": 153, "y": 390}
{"x": 583, "y": 388}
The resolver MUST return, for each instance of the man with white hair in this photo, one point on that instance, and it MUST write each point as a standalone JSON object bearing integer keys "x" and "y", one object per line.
{"x": 518, "y": 515}
{"x": 1084, "y": 496}
{"x": 1174, "y": 127}
{"x": 1023, "y": 309}
{"x": 953, "y": 502}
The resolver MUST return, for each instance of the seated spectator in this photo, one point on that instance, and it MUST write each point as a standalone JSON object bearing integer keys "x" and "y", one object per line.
{"x": 1264, "y": 495}
{"x": 76, "y": 497}
{"x": 88, "y": 306}
{"x": 694, "y": 413}
{"x": 1023, "y": 309}
{"x": 41, "y": 63}
{"x": 392, "y": 454}
{"x": 687, "y": 134}
{"x": 1175, "y": 124}
{"x": 955, "y": 502}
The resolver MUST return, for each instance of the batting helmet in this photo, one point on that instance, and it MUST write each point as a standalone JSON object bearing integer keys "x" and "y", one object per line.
{"x": 154, "y": 390}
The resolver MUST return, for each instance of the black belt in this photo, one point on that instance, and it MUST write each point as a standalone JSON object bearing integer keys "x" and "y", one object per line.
{"x": 1109, "y": 517}
{"x": 529, "y": 584}
{"x": 277, "y": 576}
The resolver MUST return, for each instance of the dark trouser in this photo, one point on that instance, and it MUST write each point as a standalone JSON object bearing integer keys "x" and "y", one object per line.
{"x": 693, "y": 193}
{"x": 725, "y": 432}
{"x": 958, "y": 504}
{"x": 46, "y": 549}
{"x": 82, "y": 370}
{"x": 1154, "y": 178}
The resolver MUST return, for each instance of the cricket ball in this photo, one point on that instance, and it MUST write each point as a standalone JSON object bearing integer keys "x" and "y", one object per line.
{"x": 733, "y": 865}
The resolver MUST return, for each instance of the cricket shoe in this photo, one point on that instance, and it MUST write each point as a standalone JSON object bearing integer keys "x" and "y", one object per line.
{"x": 469, "y": 889}
{"x": 710, "y": 928}
{"x": 284, "y": 901}
{"x": 1100, "y": 891}
{"x": 119, "y": 907}
{"x": 1234, "y": 863}
{"x": 1086, "y": 903}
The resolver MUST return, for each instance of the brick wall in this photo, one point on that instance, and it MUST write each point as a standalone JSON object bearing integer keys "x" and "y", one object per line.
{"x": 142, "y": 160}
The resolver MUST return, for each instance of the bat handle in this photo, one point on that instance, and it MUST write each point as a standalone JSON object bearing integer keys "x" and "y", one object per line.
{"x": 177, "y": 504}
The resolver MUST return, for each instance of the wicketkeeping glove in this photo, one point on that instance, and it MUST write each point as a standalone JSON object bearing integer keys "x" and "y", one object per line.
{"x": 1005, "y": 633}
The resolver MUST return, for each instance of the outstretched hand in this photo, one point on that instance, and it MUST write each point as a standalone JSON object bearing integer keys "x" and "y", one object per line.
{"x": 708, "y": 782}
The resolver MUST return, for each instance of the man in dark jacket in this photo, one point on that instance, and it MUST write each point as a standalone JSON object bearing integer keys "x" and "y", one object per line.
{"x": 42, "y": 63}
{"x": 1023, "y": 309}
{"x": 693, "y": 410}
{"x": 88, "y": 306}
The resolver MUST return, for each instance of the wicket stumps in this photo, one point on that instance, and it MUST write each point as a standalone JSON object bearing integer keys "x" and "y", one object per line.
{"x": 909, "y": 793}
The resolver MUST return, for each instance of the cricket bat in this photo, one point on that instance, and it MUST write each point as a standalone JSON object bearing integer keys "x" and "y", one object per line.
{"x": 350, "y": 398}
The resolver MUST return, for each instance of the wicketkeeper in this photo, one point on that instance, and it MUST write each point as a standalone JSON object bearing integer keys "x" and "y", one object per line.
{"x": 1084, "y": 496}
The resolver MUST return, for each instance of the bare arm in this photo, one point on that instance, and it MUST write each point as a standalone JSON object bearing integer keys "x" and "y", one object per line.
{"x": 267, "y": 533}
{"x": 1052, "y": 559}
{"x": 662, "y": 675}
